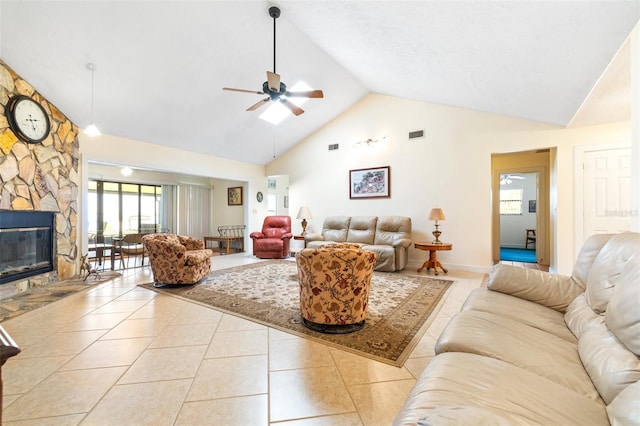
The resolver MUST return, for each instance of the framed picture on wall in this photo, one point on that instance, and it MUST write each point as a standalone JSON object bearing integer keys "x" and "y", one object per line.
{"x": 532, "y": 206}
{"x": 234, "y": 196}
{"x": 370, "y": 183}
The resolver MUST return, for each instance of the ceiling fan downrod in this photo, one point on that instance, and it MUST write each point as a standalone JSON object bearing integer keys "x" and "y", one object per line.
{"x": 274, "y": 12}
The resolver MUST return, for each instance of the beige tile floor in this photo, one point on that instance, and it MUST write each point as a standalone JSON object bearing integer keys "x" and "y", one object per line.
{"x": 122, "y": 355}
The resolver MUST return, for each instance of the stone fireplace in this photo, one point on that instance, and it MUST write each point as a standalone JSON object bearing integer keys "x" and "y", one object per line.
{"x": 42, "y": 179}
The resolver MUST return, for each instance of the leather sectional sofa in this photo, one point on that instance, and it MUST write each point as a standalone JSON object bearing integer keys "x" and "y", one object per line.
{"x": 541, "y": 348}
{"x": 389, "y": 237}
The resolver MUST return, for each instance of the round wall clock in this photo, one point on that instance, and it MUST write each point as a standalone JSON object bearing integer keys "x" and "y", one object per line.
{"x": 27, "y": 119}
{"x": 259, "y": 197}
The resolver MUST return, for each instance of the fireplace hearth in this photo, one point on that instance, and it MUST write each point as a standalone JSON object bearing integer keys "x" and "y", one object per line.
{"x": 26, "y": 244}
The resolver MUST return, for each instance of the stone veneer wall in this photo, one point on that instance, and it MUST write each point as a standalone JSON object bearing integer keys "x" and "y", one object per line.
{"x": 43, "y": 177}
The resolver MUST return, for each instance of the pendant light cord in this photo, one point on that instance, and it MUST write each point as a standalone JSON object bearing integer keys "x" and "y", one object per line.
{"x": 92, "y": 70}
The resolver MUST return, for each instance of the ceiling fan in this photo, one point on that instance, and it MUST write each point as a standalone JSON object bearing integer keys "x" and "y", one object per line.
{"x": 273, "y": 87}
{"x": 507, "y": 179}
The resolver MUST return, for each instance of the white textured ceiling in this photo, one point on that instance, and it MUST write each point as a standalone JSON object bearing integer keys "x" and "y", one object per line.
{"x": 161, "y": 65}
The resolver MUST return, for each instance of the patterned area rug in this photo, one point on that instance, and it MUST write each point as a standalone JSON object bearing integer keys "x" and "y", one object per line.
{"x": 401, "y": 306}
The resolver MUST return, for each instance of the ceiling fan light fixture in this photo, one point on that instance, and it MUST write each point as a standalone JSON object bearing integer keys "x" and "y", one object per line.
{"x": 275, "y": 90}
{"x": 277, "y": 112}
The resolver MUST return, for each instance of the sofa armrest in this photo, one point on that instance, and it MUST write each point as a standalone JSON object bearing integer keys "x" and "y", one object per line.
{"x": 256, "y": 235}
{"x": 554, "y": 291}
{"x": 195, "y": 257}
{"x": 286, "y": 236}
{"x": 402, "y": 242}
{"x": 191, "y": 243}
{"x": 313, "y": 237}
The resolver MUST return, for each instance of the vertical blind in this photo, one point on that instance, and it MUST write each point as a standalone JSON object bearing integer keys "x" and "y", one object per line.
{"x": 194, "y": 210}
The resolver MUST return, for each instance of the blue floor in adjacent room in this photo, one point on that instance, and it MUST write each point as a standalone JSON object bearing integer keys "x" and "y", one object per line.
{"x": 517, "y": 255}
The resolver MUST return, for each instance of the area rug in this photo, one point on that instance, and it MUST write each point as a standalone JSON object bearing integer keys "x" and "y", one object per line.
{"x": 517, "y": 255}
{"x": 401, "y": 306}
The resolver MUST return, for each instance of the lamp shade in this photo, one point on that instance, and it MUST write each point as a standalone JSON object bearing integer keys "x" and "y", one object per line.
{"x": 304, "y": 213}
{"x": 437, "y": 214}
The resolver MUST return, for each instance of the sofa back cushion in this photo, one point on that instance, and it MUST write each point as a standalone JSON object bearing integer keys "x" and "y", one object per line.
{"x": 336, "y": 228}
{"x": 362, "y": 229}
{"x": 609, "y": 350}
{"x": 625, "y": 408}
{"x": 623, "y": 313}
{"x": 610, "y": 365}
{"x": 587, "y": 255}
{"x": 606, "y": 268}
{"x": 391, "y": 228}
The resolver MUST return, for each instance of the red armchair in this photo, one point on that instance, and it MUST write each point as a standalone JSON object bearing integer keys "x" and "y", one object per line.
{"x": 273, "y": 241}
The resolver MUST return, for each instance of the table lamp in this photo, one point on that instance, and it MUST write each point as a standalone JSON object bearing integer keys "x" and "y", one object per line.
{"x": 304, "y": 213}
{"x": 437, "y": 214}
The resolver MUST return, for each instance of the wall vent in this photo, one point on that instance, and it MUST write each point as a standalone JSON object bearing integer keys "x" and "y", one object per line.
{"x": 416, "y": 134}
{"x": 333, "y": 147}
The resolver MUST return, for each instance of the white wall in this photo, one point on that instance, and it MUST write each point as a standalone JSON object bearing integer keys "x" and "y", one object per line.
{"x": 115, "y": 150}
{"x": 449, "y": 168}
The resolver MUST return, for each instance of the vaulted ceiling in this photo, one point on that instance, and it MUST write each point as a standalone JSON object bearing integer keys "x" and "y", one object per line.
{"x": 161, "y": 66}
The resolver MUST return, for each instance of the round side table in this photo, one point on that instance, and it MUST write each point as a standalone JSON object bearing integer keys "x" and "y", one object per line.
{"x": 433, "y": 261}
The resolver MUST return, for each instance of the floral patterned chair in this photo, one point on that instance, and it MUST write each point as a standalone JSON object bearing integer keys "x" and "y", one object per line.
{"x": 273, "y": 241}
{"x": 334, "y": 287}
{"x": 176, "y": 259}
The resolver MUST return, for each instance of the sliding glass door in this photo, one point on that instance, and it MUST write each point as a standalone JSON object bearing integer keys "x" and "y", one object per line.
{"x": 117, "y": 209}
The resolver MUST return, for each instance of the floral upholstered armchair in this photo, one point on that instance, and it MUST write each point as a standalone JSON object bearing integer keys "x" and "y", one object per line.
{"x": 176, "y": 259}
{"x": 334, "y": 286}
{"x": 273, "y": 241}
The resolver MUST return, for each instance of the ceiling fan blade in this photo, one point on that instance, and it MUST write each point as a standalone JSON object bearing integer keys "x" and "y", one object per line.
{"x": 258, "y": 104}
{"x": 274, "y": 81}
{"x": 295, "y": 109}
{"x": 306, "y": 94}
{"x": 243, "y": 90}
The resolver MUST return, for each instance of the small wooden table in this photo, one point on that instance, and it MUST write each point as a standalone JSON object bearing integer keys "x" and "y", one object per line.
{"x": 227, "y": 241}
{"x": 292, "y": 251}
{"x": 433, "y": 261}
{"x": 300, "y": 238}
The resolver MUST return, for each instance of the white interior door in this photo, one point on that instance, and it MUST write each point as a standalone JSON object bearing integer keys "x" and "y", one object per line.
{"x": 607, "y": 191}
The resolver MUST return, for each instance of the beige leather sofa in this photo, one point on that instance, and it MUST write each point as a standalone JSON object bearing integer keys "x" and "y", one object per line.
{"x": 389, "y": 237}
{"x": 541, "y": 348}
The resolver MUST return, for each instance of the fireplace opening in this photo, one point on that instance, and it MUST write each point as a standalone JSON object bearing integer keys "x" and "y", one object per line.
{"x": 26, "y": 244}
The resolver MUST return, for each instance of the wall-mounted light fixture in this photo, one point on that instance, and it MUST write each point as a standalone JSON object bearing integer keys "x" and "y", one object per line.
{"x": 369, "y": 142}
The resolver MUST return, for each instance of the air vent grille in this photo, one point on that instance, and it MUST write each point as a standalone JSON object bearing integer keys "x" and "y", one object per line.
{"x": 333, "y": 147}
{"x": 416, "y": 134}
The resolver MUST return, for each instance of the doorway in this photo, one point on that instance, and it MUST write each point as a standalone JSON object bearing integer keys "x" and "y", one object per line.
{"x": 518, "y": 217}
{"x": 534, "y": 167}
{"x": 278, "y": 195}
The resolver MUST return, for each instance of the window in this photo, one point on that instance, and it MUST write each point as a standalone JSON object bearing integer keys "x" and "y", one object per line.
{"x": 116, "y": 209}
{"x": 511, "y": 201}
